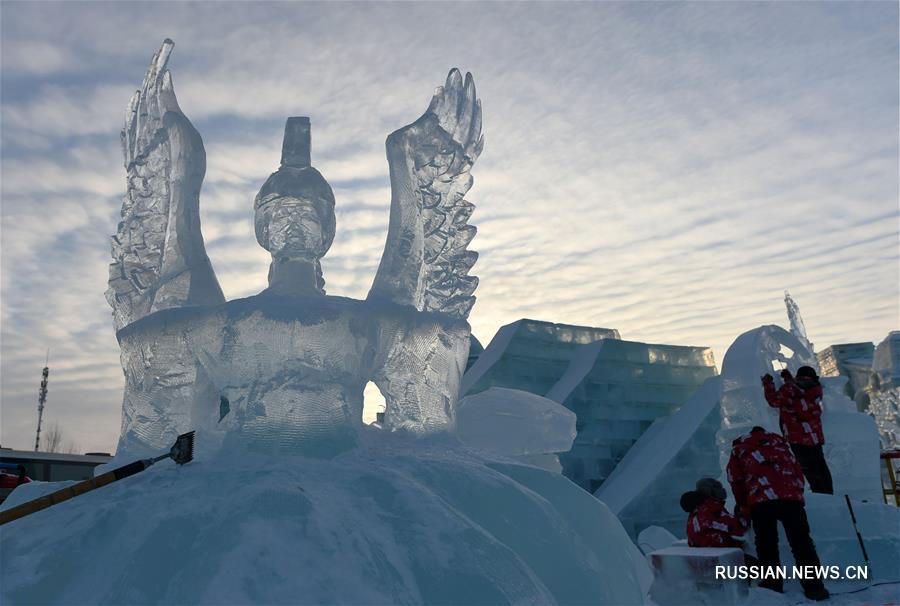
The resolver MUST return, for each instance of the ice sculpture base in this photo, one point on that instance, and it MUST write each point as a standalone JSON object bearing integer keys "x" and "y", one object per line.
{"x": 402, "y": 522}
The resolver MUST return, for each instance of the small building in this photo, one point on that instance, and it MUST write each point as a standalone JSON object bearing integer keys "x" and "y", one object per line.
{"x": 54, "y": 466}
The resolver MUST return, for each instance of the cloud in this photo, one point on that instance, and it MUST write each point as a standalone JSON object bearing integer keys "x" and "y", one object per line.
{"x": 663, "y": 169}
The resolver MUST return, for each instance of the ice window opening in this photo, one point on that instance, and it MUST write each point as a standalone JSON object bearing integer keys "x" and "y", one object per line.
{"x": 373, "y": 404}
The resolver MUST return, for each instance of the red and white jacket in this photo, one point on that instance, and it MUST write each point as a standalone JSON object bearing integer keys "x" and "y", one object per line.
{"x": 799, "y": 411}
{"x": 710, "y": 525}
{"x": 763, "y": 468}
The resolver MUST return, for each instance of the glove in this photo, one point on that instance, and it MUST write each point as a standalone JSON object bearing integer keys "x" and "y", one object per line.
{"x": 767, "y": 378}
{"x": 786, "y": 375}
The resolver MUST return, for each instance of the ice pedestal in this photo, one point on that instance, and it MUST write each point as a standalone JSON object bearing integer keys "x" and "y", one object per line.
{"x": 687, "y": 575}
{"x": 388, "y": 523}
{"x": 654, "y": 538}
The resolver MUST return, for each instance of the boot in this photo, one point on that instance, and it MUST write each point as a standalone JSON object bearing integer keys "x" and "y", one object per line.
{"x": 817, "y": 593}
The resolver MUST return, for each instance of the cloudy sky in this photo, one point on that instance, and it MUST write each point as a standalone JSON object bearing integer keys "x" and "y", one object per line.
{"x": 664, "y": 169}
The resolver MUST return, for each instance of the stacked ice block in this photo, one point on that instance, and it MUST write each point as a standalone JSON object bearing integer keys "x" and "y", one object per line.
{"x": 853, "y": 361}
{"x": 618, "y": 389}
{"x": 529, "y": 355}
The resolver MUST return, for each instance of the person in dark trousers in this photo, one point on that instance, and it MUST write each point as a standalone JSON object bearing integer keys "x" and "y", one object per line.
{"x": 767, "y": 484}
{"x": 799, "y": 404}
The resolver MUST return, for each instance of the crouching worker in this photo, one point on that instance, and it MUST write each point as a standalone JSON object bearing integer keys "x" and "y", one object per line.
{"x": 799, "y": 404}
{"x": 767, "y": 483}
{"x": 709, "y": 523}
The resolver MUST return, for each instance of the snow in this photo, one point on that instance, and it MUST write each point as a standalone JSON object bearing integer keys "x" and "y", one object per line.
{"x": 390, "y": 522}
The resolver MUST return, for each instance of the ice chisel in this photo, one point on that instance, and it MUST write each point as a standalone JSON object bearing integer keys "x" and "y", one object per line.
{"x": 182, "y": 452}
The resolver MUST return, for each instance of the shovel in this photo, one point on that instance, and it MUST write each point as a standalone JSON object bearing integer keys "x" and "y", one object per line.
{"x": 182, "y": 452}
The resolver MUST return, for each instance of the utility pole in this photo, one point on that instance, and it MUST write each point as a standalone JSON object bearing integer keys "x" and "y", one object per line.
{"x": 42, "y": 399}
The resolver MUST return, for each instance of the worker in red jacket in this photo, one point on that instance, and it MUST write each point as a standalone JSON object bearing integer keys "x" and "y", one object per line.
{"x": 799, "y": 404}
{"x": 767, "y": 484}
{"x": 709, "y": 523}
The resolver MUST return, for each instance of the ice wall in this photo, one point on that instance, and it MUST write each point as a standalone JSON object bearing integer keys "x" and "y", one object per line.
{"x": 618, "y": 388}
{"x": 529, "y": 355}
{"x": 666, "y": 461}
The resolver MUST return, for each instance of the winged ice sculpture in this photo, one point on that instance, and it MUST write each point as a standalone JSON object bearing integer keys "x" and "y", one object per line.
{"x": 286, "y": 369}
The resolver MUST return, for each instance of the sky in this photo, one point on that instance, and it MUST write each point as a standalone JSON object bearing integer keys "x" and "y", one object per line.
{"x": 664, "y": 169}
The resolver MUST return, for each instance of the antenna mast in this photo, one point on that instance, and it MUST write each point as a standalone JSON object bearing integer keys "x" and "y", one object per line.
{"x": 42, "y": 399}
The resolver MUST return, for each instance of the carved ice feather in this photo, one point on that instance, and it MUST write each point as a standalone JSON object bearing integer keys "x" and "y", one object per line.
{"x": 425, "y": 261}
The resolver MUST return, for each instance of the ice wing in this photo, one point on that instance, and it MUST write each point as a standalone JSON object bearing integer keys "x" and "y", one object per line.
{"x": 159, "y": 258}
{"x": 425, "y": 262}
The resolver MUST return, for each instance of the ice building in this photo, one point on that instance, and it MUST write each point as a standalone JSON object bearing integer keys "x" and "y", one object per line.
{"x": 667, "y": 460}
{"x": 530, "y": 355}
{"x": 884, "y": 390}
{"x": 617, "y": 389}
{"x": 853, "y": 361}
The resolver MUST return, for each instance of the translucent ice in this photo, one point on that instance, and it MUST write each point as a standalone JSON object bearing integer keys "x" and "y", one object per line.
{"x": 514, "y": 422}
{"x": 618, "y": 388}
{"x": 530, "y": 355}
{"x": 160, "y": 260}
{"x": 798, "y": 328}
{"x": 884, "y": 390}
{"x": 285, "y": 370}
{"x": 667, "y": 460}
{"x": 766, "y": 349}
{"x": 684, "y": 576}
{"x": 655, "y": 537}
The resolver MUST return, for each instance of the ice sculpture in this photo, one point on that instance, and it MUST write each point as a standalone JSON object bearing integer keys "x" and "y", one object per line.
{"x": 852, "y": 361}
{"x": 286, "y": 369}
{"x": 675, "y": 451}
{"x": 767, "y": 349}
{"x": 884, "y": 390}
{"x": 517, "y": 424}
{"x": 160, "y": 260}
{"x": 798, "y": 328}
